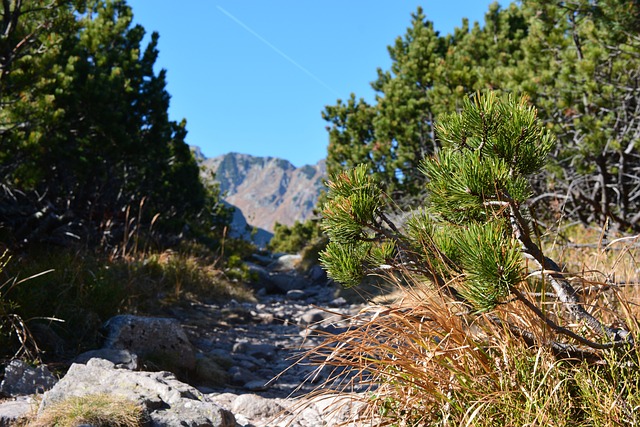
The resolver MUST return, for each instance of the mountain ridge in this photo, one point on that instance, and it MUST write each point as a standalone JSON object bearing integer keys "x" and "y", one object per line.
{"x": 266, "y": 189}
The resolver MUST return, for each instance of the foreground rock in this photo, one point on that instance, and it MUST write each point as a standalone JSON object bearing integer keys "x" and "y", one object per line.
{"x": 15, "y": 410}
{"x": 329, "y": 410}
{"x": 159, "y": 340}
{"x": 167, "y": 401}
{"x": 20, "y": 379}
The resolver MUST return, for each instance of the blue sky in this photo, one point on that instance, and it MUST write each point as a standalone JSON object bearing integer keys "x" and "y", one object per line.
{"x": 253, "y": 76}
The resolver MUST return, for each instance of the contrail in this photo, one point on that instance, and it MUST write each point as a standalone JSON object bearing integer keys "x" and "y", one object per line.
{"x": 281, "y": 53}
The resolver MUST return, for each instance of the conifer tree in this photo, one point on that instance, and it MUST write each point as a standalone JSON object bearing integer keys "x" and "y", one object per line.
{"x": 473, "y": 233}
{"x": 92, "y": 129}
{"x": 581, "y": 68}
{"x": 577, "y": 61}
{"x": 430, "y": 75}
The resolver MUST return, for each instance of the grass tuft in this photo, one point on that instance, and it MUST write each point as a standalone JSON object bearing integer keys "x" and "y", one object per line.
{"x": 99, "y": 410}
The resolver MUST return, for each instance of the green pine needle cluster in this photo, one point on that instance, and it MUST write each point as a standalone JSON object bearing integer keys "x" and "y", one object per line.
{"x": 355, "y": 198}
{"x": 463, "y": 185}
{"x": 350, "y": 219}
{"x": 500, "y": 128}
{"x": 462, "y": 232}
{"x": 492, "y": 262}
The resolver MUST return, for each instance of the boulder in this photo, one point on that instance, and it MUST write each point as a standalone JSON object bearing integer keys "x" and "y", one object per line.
{"x": 122, "y": 359}
{"x": 255, "y": 407}
{"x": 167, "y": 401}
{"x": 20, "y": 379}
{"x": 160, "y": 342}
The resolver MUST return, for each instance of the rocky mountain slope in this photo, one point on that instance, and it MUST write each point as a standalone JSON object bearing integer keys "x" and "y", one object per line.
{"x": 266, "y": 189}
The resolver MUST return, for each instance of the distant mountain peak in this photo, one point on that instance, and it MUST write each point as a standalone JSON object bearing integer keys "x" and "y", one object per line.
{"x": 267, "y": 189}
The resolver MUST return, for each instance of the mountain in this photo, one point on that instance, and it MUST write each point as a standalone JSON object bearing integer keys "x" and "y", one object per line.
{"x": 267, "y": 189}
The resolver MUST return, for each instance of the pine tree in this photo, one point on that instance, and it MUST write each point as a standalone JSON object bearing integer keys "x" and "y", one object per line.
{"x": 430, "y": 75}
{"x": 576, "y": 61}
{"x": 580, "y": 66}
{"x": 93, "y": 132}
{"x": 474, "y": 231}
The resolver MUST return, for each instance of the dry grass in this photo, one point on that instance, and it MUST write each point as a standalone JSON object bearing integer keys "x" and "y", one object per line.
{"x": 426, "y": 361}
{"x": 602, "y": 266}
{"x": 85, "y": 289}
{"x": 100, "y": 410}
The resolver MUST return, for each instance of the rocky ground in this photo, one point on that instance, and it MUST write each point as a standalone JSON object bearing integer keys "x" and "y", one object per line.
{"x": 240, "y": 357}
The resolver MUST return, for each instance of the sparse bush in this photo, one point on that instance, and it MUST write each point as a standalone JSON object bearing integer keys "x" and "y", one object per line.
{"x": 294, "y": 239}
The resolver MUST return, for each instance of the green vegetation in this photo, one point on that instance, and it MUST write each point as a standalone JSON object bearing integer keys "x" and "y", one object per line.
{"x": 81, "y": 291}
{"x": 99, "y": 189}
{"x": 490, "y": 327}
{"x": 577, "y": 62}
{"x": 294, "y": 239}
{"x": 455, "y": 199}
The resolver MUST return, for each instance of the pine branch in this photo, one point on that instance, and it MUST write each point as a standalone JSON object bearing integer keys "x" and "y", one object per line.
{"x": 564, "y": 331}
{"x": 565, "y": 292}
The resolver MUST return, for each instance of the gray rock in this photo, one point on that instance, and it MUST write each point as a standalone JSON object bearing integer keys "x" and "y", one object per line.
{"x": 13, "y": 411}
{"x": 317, "y": 274}
{"x": 160, "y": 342}
{"x": 256, "y": 350}
{"x": 122, "y": 359}
{"x": 257, "y": 385}
{"x": 241, "y": 376}
{"x": 316, "y": 316}
{"x": 296, "y": 295}
{"x": 286, "y": 262}
{"x": 284, "y": 282}
{"x": 256, "y": 407}
{"x": 21, "y": 379}
{"x": 338, "y": 302}
{"x": 241, "y": 346}
{"x": 168, "y": 401}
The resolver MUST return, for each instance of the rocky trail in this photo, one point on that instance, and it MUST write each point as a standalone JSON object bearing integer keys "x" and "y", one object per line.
{"x": 234, "y": 364}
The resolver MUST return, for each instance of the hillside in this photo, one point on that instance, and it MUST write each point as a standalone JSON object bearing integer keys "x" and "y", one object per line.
{"x": 267, "y": 189}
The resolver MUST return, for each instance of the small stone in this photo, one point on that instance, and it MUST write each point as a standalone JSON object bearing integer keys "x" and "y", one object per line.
{"x": 122, "y": 359}
{"x": 316, "y": 315}
{"x": 241, "y": 376}
{"x": 296, "y": 294}
{"x": 338, "y": 302}
{"x": 257, "y": 385}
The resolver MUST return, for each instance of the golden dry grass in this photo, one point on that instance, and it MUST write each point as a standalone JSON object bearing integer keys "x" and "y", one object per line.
{"x": 426, "y": 360}
{"x": 100, "y": 410}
